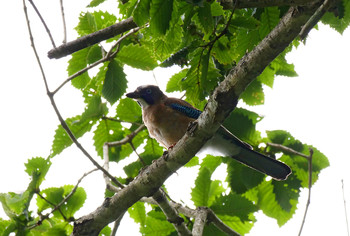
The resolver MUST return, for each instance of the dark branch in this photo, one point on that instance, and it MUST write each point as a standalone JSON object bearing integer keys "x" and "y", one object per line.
{"x": 91, "y": 39}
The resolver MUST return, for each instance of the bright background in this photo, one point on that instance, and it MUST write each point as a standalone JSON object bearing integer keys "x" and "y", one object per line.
{"x": 313, "y": 107}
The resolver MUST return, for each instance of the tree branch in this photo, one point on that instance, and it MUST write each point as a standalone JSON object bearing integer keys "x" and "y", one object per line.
{"x": 91, "y": 39}
{"x": 221, "y": 103}
{"x": 171, "y": 213}
{"x": 229, "y": 4}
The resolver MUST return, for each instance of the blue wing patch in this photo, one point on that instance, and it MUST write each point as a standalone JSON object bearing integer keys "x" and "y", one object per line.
{"x": 188, "y": 111}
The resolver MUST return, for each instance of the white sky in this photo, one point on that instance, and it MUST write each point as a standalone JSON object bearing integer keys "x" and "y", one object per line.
{"x": 314, "y": 107}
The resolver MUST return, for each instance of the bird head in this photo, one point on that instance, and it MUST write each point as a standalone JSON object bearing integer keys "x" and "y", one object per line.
{"x": 146, "y": 95}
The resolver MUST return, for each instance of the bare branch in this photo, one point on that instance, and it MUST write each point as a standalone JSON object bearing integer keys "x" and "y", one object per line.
{"x": 91, "y": 39}
{"x": 200, "y": 221}
{"x": 171, "y": 214}
{"x": 309, "y": 187}
{"x": 346, "y": 213}
{"x": 287, "y": 149}
{"x": 44, "y": 23}
{"x": 315, "y": 18}
{"x": 107, "y": 57}
{"x": 116, "y": 224}
{"x": 229, "y": 4}
{"x": 64, "y": 23}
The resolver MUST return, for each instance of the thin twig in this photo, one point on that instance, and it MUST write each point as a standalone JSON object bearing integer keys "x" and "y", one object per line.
{"x": 171, "y": 213}
{"x": 53, "y": 103}
{"x": 52, "y": 204}
{"x": 108, "y": 56}
{"x": 116, "y": 224}
{"x": 64, "y": 23}
{"x": 287, "y": 149}
{"x": 44, "y": 23}
{"x": 314, "y": 19}
{"x": 309, "y": 159}
{"x": 346, "y": 213}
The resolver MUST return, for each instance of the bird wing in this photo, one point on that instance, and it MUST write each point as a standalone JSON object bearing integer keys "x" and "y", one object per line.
{"x": 183, "y": 107}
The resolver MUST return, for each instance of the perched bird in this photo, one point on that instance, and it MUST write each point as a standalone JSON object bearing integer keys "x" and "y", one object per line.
{"x": 167, "y": 120}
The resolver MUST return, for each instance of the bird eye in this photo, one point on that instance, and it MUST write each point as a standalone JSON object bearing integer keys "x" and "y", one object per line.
{"x": 149, "y": 91}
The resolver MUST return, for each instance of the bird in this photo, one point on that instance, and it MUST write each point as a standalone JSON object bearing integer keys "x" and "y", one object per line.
{"x": 167, "y": 120}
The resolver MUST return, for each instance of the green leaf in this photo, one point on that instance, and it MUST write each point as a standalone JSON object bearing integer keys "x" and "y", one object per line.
{"x": 254, "y": 94}
{"x": 241, "y": 123}
{"x": 115, "y": 82}
{"x": 174, "y": 82}
{"x": 95, "y": 109}
{"x": 78, "y": 127}
{"x": 56, "y": 195}
{"x": 152, "y": 151}
{"x": 205, "y": 18}
{"x": 340, "y": 22}
{"x": 133, "y": 169}
{"x": 193, "y": 162}
{"x": 137, "y": 56}
{"x": 108, "y": 131}
{"x": 242, "y": 178}
{"x": 287, "y": 192}
{"x": 95, "y": 3}
{"x": 129, "y": 111}
{"x": 141, "y": 13}
{"x": 38, "y": 166}
{"x": 138, "y": 213}
{"x": 234, "y": 205}
{"x": 106, "y": 231}
{"x": 160, "y": 12}
{"x": 199, "y": 194}
{"x": 206, "y": 190}
{"x": 242, "y": 227}
{"x": 224, "y": 51}
{"x": 269, "y": 19}
{"x": 87, "y": 24}
{"x": 267, "y": 76}
{"x": 155, "y": 226}
{"x": 14, "y": 204}
{"x": 92, "y": 22}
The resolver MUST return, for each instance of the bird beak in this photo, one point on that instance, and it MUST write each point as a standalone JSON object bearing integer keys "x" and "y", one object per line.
{"x": 133, "y": 95}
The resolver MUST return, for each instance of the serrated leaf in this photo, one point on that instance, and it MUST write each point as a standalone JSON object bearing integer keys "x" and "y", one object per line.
{"x": 106, "y": 231}
{"x": 115, "y": 82}
{"x": 14, "y": 203}
{"x": 157, "y": 227}
{"x": 95, "y": 3}
{"x": 174, "y": 82}
{"x": 78, "y": 128}
{"x": 234, "y": 205}
{"x": 152, "y": 151}
{"x": 92, "y": 22}
{"x": 269, "y": 19}
{"x": 242, "y": 178}
{"x": 160, "y": 12}
{"x": 216, "y": 9}
{"x": 129, "y": 111}
{"x": 56, "y": 195}
{"x": 199, "y": 194}
{"x": 285, "y": 191}
{"x": 38, "y": 166}
{"x": 193, "y": 162}
{"x": 108, "y": 131}
{"x": 132, "y": 170}
{"x": 137, "y": 56}
{"x": 282, "y": 67}
{"x": 224, "y": 51}
{"x": 241, "y": 227}
{"x": 205, "y": 18}
{"x": 95, "y": 109}
{"x": 241, "y": 123}
{"x": 254, "y": 94}
{"x": 141, "y": 13}
{"x": 138, "y": 213}
{"x": 211, "y": 163}
{"x": 267, "y": 76}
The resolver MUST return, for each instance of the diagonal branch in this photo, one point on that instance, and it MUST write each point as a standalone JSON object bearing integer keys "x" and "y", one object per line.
{"x": 91, "y": 39}
{"x": 221, "y": 103}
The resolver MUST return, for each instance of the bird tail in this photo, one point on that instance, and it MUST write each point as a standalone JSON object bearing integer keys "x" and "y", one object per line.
{"x": 276, "y": 169}
{"x": 229, "y": 145}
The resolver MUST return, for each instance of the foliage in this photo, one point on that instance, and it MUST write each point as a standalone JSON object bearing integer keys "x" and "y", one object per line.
{"x": 206, "y": 41}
